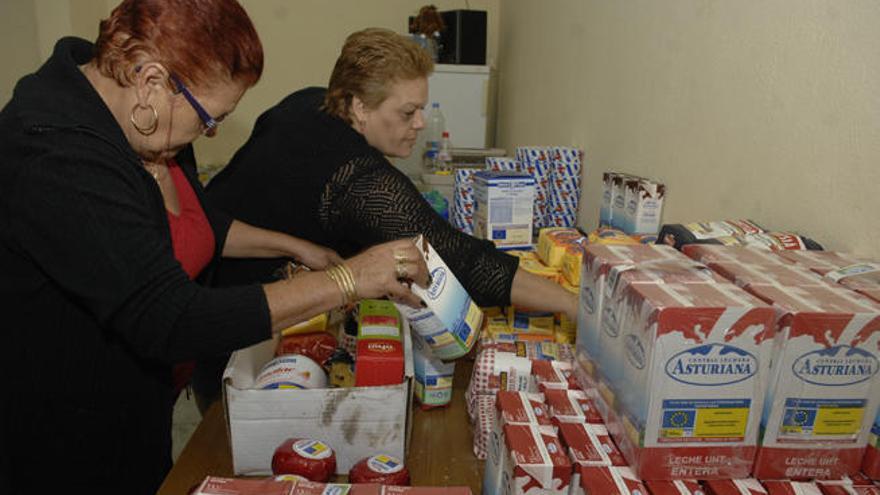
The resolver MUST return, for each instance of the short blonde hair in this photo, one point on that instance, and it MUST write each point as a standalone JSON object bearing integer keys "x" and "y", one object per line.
{"x": 371, "y": 61}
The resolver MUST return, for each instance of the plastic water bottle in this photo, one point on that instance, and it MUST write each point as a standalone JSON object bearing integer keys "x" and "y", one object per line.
{"x": 435, "y": 128}
{"x": 444, "y": 154}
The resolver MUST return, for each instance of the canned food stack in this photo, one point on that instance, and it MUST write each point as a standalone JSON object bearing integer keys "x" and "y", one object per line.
{"x": 565, "y": 186}
{"x": 463, "y": 200}
{"x": 536, "y": 161}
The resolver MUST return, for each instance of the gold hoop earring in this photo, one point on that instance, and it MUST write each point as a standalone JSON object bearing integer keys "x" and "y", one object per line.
{"x": 145, "y": 130}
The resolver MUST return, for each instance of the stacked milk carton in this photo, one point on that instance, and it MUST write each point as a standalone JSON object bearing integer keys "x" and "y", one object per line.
{"x": 565, "y": 187}
{"x": 630, "y": 203}
{"x": 824, "y": 389}
{"x": 537, "y": 162}
{"x": 680, "y": 361}
{"x": 462, "y": 215}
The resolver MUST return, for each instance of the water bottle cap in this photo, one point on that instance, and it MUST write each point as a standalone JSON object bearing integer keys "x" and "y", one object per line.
{"x": 446, "y": 134}
{"x": 435, "y": 105}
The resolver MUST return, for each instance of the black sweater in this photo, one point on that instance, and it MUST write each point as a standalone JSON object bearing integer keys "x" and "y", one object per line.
{"x": 96, "y": 308}
{"x": 312, "y": 175}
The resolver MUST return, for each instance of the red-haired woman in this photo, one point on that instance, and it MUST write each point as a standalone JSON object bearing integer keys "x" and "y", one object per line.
{"x": 103, "y": 229}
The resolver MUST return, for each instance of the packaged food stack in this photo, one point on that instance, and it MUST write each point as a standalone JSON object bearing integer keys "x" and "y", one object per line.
{"x": 463, "y": 200}
{"x": 512, "y": 408}
{"x": 823, "y": 390}
{"x": 853, "y": 272}
{"x": 630, "y": 203}
{"x": 503, "y": 209}
{"x": 503, "y": 366}
{"x": 733, "y": 233}
{"x": 537, "y": 162}
{"x": 612, "y": 480}
{"x": 535, "y": 463}
{"x": 502, "y": 164}
{"x": 565, "y": 186}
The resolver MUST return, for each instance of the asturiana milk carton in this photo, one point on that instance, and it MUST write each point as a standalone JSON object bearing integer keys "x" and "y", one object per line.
{"x": 644, "y": 206}
{"x": 451, "y": 323}
{"x": 695, "y": 363}
{"x": 504, "y": 206}
{"x": 824, "y": 388}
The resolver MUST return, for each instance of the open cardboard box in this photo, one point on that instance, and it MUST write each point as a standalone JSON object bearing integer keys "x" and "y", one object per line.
{"x": 355, "y": 422}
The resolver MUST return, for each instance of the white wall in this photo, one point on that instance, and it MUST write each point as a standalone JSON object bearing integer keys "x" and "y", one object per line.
{"x": 763, "y": 109}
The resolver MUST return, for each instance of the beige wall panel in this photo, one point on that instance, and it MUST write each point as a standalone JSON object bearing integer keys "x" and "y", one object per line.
{"x": 748, "y": 109}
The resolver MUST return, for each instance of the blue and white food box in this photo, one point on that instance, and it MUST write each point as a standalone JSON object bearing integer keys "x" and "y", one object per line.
{"x": 503, "y": 211}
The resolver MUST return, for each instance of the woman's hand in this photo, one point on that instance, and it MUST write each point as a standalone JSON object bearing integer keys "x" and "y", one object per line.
{"x": 388, "y": 270}
{"x": 315, "y": 256}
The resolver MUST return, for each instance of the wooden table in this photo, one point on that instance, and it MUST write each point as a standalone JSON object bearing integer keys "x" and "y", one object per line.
{"x": 440, "y": 452}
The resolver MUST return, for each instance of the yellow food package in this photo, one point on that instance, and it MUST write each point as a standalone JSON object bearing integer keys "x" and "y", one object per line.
{"x": 315, "y": 324}
{"x": 610, "y": 236}
{"x": 521, "y": 320}
{"x": 522, "y": 254}
{"x": 496, "y": 324}
{"x": 552, "y": 246}
{"x": 571, "y": 264}
{"x": 574, "y": 289}
{"x": 493, "y": 311}
{"x": 540, "y": 269}
{"x": 563, "y": 336}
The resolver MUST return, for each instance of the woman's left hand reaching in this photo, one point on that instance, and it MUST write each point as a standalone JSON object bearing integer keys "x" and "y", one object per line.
{"x": 315, "y": 256}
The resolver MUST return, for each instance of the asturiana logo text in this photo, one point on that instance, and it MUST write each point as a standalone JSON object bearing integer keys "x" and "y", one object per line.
{"x": 836, "y": 366}
{"x": 712, "y": 365}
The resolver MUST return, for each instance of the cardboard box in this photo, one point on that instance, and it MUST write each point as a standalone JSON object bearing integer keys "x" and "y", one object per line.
{"x": 356, "y": 422}
{"x": 785, "y": 487}
{"x": 588, "y": 445}
{"x": 857, "y": 485}
{"x": 608, "y": 480}
{"x": 824, "y": 388}
{"x": 708, "y": 253}
{"x": 618, "y": 199}
{"x": 743, "y": 274}
{"x": 696, "y": 359}
{"x": 746, "y": 486}
{"x": 433, "y": 377}
{"x": 503, "y": 212}
{"x": 675, "y": 487}
{"x": 605, "y": 209}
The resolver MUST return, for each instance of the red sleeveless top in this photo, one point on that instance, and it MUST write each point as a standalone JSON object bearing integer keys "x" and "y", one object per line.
{"x": 191, "y": 234}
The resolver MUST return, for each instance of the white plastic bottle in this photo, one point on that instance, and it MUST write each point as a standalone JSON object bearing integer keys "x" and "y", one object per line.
{"x": 444, "y": 154}
{"x": 435, "y": 128}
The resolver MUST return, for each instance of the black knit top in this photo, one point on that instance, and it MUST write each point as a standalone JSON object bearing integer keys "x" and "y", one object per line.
{"x": 313, "y": 176}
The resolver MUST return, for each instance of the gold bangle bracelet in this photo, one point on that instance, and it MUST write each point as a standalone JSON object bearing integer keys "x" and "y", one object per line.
{"x": 345, "y": 271}
{"x": 333, "y": 274}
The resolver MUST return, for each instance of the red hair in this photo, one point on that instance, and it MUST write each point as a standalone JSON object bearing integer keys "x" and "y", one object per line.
{"x": 199, "y": 41}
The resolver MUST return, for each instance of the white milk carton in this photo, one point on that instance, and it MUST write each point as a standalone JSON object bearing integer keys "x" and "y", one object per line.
{"x": 503, "y": 212}
{"x": 618, "y": 199}
{"x": 644, "y": 206}
{"x": 696, "y": 360}
{"x": 605, "y": 210}
{"x": 451, "y": 323}
{"x": 824, "y": 388}
{"x": 433, "y": 377}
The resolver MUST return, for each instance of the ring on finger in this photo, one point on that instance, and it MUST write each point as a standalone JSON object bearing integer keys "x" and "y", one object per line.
{"x": 400, "y": 269}
{"x": 400, "y": 256}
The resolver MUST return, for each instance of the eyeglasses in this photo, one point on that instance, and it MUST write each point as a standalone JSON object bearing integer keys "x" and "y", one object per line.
{"x": 209, "y": 122}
